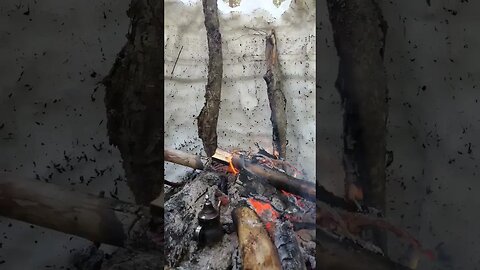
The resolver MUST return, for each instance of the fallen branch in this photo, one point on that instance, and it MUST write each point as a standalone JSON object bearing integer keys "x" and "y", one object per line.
{"x": 276, "y": 97}
{"x": 97, "y": 219}
{"x": 208, "y": 118}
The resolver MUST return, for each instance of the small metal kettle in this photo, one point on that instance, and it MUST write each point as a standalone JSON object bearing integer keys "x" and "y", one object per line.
{"x": 209, "y": 230}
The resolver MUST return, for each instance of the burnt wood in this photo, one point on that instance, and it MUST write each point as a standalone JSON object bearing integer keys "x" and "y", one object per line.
{"x": 208, "y": 117}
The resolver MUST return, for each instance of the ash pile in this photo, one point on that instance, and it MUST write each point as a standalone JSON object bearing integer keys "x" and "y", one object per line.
{"x": 228, "y": 217}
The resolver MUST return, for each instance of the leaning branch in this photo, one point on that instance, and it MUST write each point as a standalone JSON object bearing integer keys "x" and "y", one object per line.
{"x": 359, "y": 35}
{"x": 208, "y": 118}
{"x": 276, "y": 97}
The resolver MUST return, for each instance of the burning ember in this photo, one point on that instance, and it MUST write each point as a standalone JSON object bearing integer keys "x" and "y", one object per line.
{"x": 266, "y": 212}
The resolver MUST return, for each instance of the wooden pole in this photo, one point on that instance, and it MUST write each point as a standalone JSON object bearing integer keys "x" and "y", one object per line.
{"x": 62, "y": 209}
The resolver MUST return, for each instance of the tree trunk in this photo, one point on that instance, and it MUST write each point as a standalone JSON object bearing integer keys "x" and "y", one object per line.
{"x": 134, "y": 101}
{"x": 359, "y": 34}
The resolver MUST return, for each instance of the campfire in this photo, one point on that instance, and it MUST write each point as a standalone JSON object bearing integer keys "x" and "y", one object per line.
{"x": 260, "y": 225}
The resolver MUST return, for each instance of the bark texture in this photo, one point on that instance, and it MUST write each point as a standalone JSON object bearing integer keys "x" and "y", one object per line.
{"x": 208, "y": 118}
{"x": 276, "y": 97}
{"x": 134, "y": 101}
{"x": 359, "y": 34}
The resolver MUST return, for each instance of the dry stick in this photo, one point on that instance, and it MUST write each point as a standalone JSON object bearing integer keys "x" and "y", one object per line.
{"x": 208, "y": 118}
{"x": 276, "y": 97}
{"x": 178, "y": 56}
{"x": 97, "y": 219}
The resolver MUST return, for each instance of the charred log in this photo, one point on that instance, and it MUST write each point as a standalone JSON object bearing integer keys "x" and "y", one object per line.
{"x": 359, "y": 34}
{"x": 276, "y": 97}
{"x": 287, "y": 246}
{"x": 134, "y": 100}
{"x": 208, "y": 118}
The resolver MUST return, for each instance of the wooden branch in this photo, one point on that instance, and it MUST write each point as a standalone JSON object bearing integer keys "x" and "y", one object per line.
{"x": 359, "y": 35}
{"x": 182, "y": 158}
{"x": 282, "y": 181}
{"x": 97, "y": 219}
{"x": 208, "y": 118}
{"x": 276, "y": 97}
{"x": 256, "y": 247}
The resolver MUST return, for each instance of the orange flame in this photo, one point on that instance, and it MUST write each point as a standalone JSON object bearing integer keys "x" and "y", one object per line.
{"x": 232, "y": 168}
{"x": 266, "y": 212}
{"x": 296, "y": 198}
{"x": 263, "y": 209}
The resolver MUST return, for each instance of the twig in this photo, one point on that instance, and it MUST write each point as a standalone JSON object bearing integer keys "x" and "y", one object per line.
{"x": 178, "y": 56}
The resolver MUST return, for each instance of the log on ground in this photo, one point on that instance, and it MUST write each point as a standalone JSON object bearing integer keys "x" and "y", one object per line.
{"x": 62, "y": 209}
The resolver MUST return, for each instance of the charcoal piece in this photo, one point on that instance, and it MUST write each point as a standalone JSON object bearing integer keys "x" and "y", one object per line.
{"x": 288, "y": 248}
